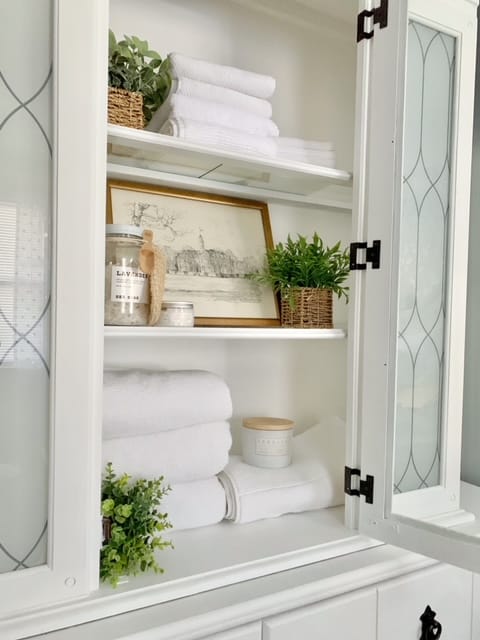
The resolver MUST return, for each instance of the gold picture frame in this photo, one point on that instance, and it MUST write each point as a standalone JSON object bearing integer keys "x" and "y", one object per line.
{"x": 211, "y": 243}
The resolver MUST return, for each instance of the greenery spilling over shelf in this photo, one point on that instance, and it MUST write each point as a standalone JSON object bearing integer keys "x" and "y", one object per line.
{"x": 130, "y": 510}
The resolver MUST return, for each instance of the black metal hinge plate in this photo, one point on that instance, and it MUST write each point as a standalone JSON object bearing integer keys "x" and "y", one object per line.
{"x": 380, "y": 17}
{"x": 365, "y": 487}
{"x": 372, "y": 255}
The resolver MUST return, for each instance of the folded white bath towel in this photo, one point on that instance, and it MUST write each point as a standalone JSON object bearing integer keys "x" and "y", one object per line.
{"x": 299, "y": 143}
{"x": 221, "y": 115}
{"x": 181, "y": 455}
{"x": 222, "y": 95}
{"x": 314, "y": 480}
{"x": 254, "y": 84}
{"x": 219, "y": 137}
{"x": 139, "y": 402}
{"x": 195, "y": 504}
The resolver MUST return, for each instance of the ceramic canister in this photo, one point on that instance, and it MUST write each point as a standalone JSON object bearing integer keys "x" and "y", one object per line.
{"x": 267, "y": 442}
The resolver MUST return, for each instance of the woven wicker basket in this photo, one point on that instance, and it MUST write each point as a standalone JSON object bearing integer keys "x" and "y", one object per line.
{"x": 125, "y": 108}
{"x": 312, "y": 309}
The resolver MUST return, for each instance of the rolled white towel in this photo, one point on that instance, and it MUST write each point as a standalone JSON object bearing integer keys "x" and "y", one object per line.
{"x": 195, "y": 504}
{"x": 222, "y": 95}
{"x": 314, "y": 480}
{"x": 219, "y": 137}
{"x": 139, "y": 402}
{"x": 181, "y": 455}
{"x": 249, "y": 82}
{"x": 301, "y": 144}
{"x": 221, "y": 115}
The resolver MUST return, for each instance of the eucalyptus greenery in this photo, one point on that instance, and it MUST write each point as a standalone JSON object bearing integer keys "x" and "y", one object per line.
{"x": 135, "y": 67}
{"x": 131, "y": 508}
{"x": 300, "y": 263}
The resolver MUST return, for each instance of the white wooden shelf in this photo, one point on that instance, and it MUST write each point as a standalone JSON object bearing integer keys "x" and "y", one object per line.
{"x": 210, "y": 557}
{"x": 139, "y": 156}
{"x": 228, "y": 333}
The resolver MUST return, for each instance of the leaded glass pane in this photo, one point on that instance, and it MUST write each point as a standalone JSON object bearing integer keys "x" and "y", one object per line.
{"x": 25, "y": 289}
{"x": 424, "y": 230}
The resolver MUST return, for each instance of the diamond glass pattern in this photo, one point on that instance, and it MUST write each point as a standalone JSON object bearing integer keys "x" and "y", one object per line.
{"x": 25, "y": 289}
{"x": 423, "y": 255}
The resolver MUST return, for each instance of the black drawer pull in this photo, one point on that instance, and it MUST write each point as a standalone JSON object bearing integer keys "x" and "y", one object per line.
{"x": 431, "y": 628}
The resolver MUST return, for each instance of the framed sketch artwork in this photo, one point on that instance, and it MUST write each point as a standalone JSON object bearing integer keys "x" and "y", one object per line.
{"x": 211, "y": 243}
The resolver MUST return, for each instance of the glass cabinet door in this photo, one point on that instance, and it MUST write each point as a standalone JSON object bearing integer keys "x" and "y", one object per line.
{"x": 25, "y": 284}
{"x": 412, "y": 329}
{"x": 51, "y": 322}
{"x": 424, "y": 259}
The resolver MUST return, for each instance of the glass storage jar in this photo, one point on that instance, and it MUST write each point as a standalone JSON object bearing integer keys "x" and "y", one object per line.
{"x": 127, "y": 294}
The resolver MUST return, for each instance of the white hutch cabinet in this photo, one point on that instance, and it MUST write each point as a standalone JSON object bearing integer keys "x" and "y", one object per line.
{"x": 398, "y": 105}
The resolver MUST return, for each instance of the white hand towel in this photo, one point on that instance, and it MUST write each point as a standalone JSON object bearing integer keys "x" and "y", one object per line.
{"x": 254, "y": 84}
{"x": 195, "y": 504}
{"x": 219, "y": 137}
{"x": 314, "y": 480}
{"x": 214, "y": 93}
{"x": 221, "y": 115}
{"x": 139, "y": 402}
{"x": 298, "y": 143}
{"x": 182, "y": 455}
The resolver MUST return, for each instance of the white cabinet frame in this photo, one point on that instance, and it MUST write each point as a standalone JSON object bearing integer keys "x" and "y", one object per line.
{"x": 77, "y": 328}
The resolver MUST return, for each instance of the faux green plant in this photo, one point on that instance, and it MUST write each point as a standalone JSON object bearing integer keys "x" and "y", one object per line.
{"x": 304, "y": 263}
{"x": 134, "y": 524}
{"x": 135, "y": 67}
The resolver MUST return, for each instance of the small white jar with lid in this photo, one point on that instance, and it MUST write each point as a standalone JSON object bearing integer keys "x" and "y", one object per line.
{"x": 177, "y": 314}
{"x": 267, "y": 442}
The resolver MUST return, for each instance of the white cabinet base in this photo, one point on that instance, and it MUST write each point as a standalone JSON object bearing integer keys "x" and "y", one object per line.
{"x": 247, "y": 632}
{"x": 352, "y": 616}
{"x": 446, "y": 589}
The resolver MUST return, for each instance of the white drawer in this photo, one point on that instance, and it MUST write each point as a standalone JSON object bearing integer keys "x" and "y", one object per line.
{"x": 446, "y": 589}
{"x": 245, "y": 632}
{"x": 352, "y": 616}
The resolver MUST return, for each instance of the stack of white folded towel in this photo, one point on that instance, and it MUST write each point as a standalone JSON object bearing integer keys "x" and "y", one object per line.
{"x": 309, "y": 151}
{"x": 314, "y": 480}
{"x": 229, "y": 108}
{"x": 172, "y": 424}
{"x": 218, "y": 105}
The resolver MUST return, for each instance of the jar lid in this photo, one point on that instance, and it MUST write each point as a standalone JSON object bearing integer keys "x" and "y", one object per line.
{"x": 123, "y": 230}
{"x": 268, "y": 424}
{"x": 177, "y": 305}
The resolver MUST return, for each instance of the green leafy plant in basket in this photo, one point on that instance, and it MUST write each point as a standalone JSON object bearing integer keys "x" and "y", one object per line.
{"x": 133, "y": 66}
{"x": 132, "y": 525}
{"x": 302, "y": 263}
{"x": 306, "y": 274}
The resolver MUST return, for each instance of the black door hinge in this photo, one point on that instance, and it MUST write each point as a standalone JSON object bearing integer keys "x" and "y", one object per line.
{"x": 380, "y": 17}
{"x": 365, "y": 487}
{"x": 372, "y": 255}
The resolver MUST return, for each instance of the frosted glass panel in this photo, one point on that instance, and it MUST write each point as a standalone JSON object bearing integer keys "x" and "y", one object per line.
{"x": 25, "y": 238}
{"x": 424, "y": 228}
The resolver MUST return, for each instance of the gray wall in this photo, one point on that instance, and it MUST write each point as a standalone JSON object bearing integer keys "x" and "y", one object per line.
{"x": 471, "y": 405}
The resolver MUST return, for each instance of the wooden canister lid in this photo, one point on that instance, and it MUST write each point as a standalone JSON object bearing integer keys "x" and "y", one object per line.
{"x": 268, "y": 424}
